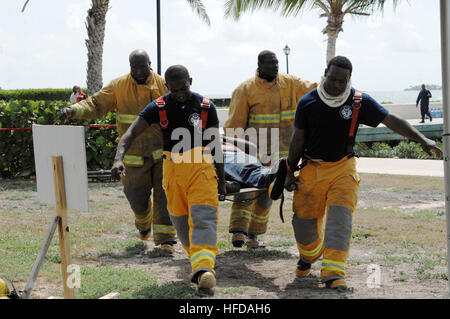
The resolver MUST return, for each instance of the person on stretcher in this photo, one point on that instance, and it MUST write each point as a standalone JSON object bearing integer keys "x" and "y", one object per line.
{"x": 243, "y": 170}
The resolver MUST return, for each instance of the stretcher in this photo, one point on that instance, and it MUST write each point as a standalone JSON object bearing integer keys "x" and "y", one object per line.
{"x": 229, "y": 196}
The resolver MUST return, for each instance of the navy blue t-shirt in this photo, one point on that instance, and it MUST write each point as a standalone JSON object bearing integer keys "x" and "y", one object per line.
{"x": 424, "y": 98}
{"x": 187, "y": 118}
{"x": 327, "y": 129}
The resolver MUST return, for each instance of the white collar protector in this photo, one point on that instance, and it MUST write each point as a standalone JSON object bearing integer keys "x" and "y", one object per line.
{"x": 333, "y": 101}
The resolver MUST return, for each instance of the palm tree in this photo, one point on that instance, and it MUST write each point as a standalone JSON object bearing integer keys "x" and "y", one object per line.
{"x": 95, "y": 25}
{"x": 333, "y": 10}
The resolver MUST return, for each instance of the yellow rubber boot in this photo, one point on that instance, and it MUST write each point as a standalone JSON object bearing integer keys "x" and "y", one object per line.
{"x": 145, "y": 235}
{"x": 168, "y": 248}
{"x": 338, "y": 284}
{"x": 206, "y": 280}
{"x": 4, "y": 290}
{"x": 238, "y": 239}
{"x": 303, "y": 269}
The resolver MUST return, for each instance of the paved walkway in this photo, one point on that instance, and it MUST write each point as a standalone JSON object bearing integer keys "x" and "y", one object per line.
{"x": 392, "y": 166}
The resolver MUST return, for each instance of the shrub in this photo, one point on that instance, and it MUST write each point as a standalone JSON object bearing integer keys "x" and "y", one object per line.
{"x": 36, "y": 94}
{"x": 16, "y": 147}
{"x": 409, "y": 150}
{"x": 377, "y": 149}
{"x": 382, "y": 150}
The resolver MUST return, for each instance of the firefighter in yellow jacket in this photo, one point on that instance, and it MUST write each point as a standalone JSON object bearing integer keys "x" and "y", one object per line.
{"x": 326, "y": 190}
{"x": 264, "y": 106}
{"x": 193, "y": 171}
{"x": 128, "y": 95}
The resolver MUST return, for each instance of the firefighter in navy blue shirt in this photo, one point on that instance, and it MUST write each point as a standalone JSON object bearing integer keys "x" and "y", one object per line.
{"x": 326, "y": 123}
{"x": 193, "y": 172}
{"x": 424, "y": 98}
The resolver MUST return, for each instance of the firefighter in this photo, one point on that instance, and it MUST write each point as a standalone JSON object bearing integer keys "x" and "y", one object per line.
{"x": 326, "y": 190}
{"x": 266, "y": 101}
{"x": 128, "y": 95}
{"x": 193, "y": 171}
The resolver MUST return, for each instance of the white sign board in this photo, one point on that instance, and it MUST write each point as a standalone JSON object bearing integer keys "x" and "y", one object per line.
{"x": 68, "y": 142}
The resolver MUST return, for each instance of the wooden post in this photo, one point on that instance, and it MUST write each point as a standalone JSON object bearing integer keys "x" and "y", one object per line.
{"x": 63, "y": 227}
{"x": 40, "y": 259}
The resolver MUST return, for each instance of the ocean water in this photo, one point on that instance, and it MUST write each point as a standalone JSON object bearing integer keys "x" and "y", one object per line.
{"x": 402, "y": 97}
{"x": 391, "y": 97}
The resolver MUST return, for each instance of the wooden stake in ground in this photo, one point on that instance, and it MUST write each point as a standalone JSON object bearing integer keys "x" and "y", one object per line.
{"x": 63, "y": 227}
{"x": 40, "y": 259}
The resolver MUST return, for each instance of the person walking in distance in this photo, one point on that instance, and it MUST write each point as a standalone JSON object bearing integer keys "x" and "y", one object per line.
{"x": 424, "y": 99}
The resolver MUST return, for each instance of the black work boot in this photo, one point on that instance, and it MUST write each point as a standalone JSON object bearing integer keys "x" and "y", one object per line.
{"x": 303, "y": 269}
{"x": 238, "y": 239}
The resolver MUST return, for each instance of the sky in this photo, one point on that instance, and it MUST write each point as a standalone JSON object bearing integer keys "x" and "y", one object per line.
{"x": 44, "y": 47}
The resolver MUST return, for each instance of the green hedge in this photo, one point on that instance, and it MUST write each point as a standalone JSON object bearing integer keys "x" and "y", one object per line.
{"x": 37, "y": 94}
{"x": 403, "y": 149}
{"x": 16, "y": 147}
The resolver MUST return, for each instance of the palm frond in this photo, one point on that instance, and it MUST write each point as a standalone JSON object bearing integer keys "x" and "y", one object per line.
{"x": 199, "y": 8}
{"x": 25, "y": 5}
{"x": 234, "y": 8}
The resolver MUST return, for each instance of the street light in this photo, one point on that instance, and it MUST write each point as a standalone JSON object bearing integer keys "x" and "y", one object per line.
{"x": 158, "y": 34}
{"x": 287, "y": 50}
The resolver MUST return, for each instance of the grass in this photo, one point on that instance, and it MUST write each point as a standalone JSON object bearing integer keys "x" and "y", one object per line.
{"x": 172, "y": 290}
{"x": 104, "y": 241}
{"x": 429, "y": 214}
{"x": 132, "y": 284}
{"x": 258, "y": 254}
{"x": 402, "y": 277}
{"x": 19, "y": 196}
{"x": 232, "y": 291}
{"x": 282, "y": 243}
{"x": 362, "y": 234}
{"x": 425, "y": 270}
{"x": 128, "y": 248}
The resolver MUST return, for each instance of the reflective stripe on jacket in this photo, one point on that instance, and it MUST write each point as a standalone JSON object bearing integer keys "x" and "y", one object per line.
{"x": 258, "y": 104}
{"x": 128, "y": 98}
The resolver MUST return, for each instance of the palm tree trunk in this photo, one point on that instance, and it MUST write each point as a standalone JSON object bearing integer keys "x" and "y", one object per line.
{"x": 95, "y": 25}
{"x": 334, "y": 26}
{"x": 331, "y": 46}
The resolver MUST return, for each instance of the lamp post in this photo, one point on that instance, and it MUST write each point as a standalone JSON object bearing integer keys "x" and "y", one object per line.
{"x": 287, "y": 50}
{"x": 158, "y": 33}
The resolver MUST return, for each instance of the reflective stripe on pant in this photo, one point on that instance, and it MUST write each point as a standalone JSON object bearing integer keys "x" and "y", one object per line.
{"x": 250, "y": 214}
{"x": 138, "y": 184}
{"x": 192, "y": 201}
{"x": 330, "y": 188}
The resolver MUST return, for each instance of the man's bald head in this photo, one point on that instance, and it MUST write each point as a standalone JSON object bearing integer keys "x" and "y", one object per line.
{"x": 139, "y": 54}
{"x": 267, "y": 65}
{"x": 140, "y": 65}
{"x": 176, "y": 73}
{"x": 264, "y": 54}
{"x": 178, "y": 81}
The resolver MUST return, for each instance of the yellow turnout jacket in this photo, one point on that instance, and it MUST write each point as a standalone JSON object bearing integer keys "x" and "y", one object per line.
{"x": 128, "y": 98}
{"x": 258, "y": 104}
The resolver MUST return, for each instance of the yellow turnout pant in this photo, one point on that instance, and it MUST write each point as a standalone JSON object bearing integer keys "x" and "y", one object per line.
{"x": 327, "y": 195}
{"x": 192, "y": 201}
{"x": 250, "y": 213}
{"x": 138, "y": 184}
